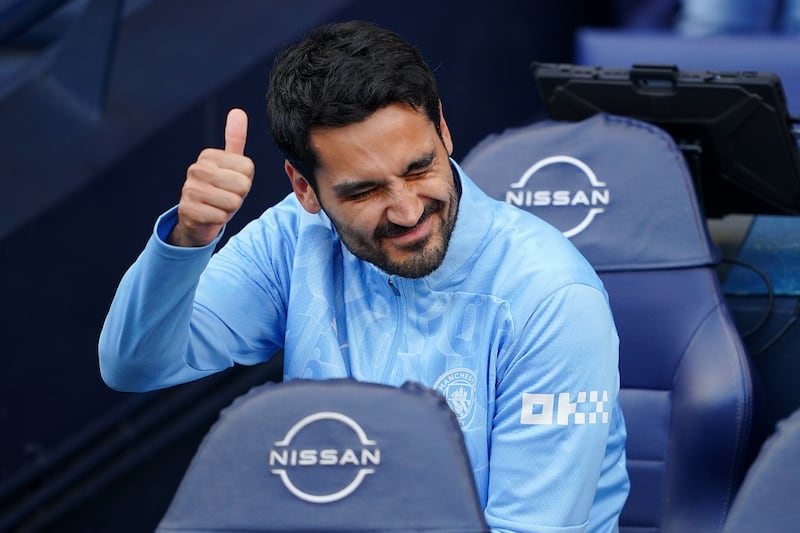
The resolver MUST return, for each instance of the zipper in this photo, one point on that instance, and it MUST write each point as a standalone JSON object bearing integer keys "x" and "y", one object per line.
{"x": 394, "y": 287}
{"x": 400, "y": 317}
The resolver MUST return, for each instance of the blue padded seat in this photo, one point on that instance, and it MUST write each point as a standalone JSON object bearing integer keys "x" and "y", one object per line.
{"x": 335, "y": 455}
{"x": 620, "y": 189}
{"x": 768, "y": 498}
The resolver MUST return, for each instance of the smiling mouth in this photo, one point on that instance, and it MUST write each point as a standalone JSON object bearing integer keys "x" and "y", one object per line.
{"x": 415, "y": 232}
{"x": 412, "y": 238}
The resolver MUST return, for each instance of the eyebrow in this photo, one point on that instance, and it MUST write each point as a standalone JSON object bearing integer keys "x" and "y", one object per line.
{"x": 419, "y": 164}
{"x": 348, "y": 188}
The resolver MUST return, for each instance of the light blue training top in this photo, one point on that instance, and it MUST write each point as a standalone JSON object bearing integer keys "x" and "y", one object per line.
{"x": 514, "y": 329}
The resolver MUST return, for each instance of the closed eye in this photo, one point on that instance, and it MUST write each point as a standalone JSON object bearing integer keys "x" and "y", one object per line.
{"x": 416, "y": 175}
{"x": 355, "y": 190}
{"x": 359, "y": 195}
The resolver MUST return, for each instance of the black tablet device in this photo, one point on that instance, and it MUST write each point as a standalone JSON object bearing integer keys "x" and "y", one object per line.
{"x": 739, "y": 140}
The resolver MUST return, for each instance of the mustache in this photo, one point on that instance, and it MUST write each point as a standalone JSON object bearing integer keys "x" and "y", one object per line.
{"x": 393, "y": 230}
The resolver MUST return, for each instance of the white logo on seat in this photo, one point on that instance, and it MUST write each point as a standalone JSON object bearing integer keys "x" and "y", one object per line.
{"x": 595, "y": 199}
{"x": 284, "y": 455}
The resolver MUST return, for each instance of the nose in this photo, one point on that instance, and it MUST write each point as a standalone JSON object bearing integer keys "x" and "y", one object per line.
{"x": 405, "y": 207}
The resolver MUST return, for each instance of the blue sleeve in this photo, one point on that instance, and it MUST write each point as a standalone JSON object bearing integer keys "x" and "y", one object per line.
{"x": 556, "y": 404}
{"x": 157, "y": 332}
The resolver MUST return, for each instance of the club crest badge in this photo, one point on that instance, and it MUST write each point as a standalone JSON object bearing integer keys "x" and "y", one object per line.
{"x": 458, "y": 387}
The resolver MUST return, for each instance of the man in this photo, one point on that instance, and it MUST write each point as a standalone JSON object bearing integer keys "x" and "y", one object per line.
{"x": 388, "y": 264}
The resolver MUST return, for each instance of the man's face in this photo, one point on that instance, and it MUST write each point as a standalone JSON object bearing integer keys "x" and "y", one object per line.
{"x": 387, "y": 185}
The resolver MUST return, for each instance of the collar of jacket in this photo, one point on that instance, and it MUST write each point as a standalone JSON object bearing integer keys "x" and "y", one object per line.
{"x": 476, "y": 213}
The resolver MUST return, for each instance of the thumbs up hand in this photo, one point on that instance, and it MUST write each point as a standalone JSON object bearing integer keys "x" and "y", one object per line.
{"x": 215, "y": 187}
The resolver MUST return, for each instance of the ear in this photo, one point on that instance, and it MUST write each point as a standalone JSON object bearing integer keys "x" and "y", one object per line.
{"x": 445, "y": 131}
{"x": 302, "y": 189}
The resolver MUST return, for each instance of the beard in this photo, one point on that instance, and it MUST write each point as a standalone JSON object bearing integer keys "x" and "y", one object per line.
{"x": 422, "y": 257}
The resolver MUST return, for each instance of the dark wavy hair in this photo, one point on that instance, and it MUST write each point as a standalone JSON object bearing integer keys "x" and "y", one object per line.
{"x": 340, "y": 74}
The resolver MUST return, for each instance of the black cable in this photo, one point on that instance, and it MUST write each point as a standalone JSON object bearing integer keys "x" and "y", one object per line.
{"x": 775, "y": 338}
{"x": 770, "y": 294}
{"x": 768, "y": 311}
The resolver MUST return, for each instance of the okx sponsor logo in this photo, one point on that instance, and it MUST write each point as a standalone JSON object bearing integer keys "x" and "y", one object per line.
{"x": 563, "y": 190}
{"x": 562, "y": 409}
{"x": 324, "y": 457}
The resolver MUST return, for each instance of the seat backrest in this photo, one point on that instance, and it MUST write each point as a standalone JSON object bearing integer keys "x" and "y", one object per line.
{"x": 336, "y": 455}
{"x": 768, "y": 498}
{"x": 621, "y": 191}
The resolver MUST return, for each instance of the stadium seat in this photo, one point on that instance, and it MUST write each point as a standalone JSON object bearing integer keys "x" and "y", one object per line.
{"x": 767, "y": 500}
{"x": 335, "y": 455}
{"x": 621, "y": 191}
